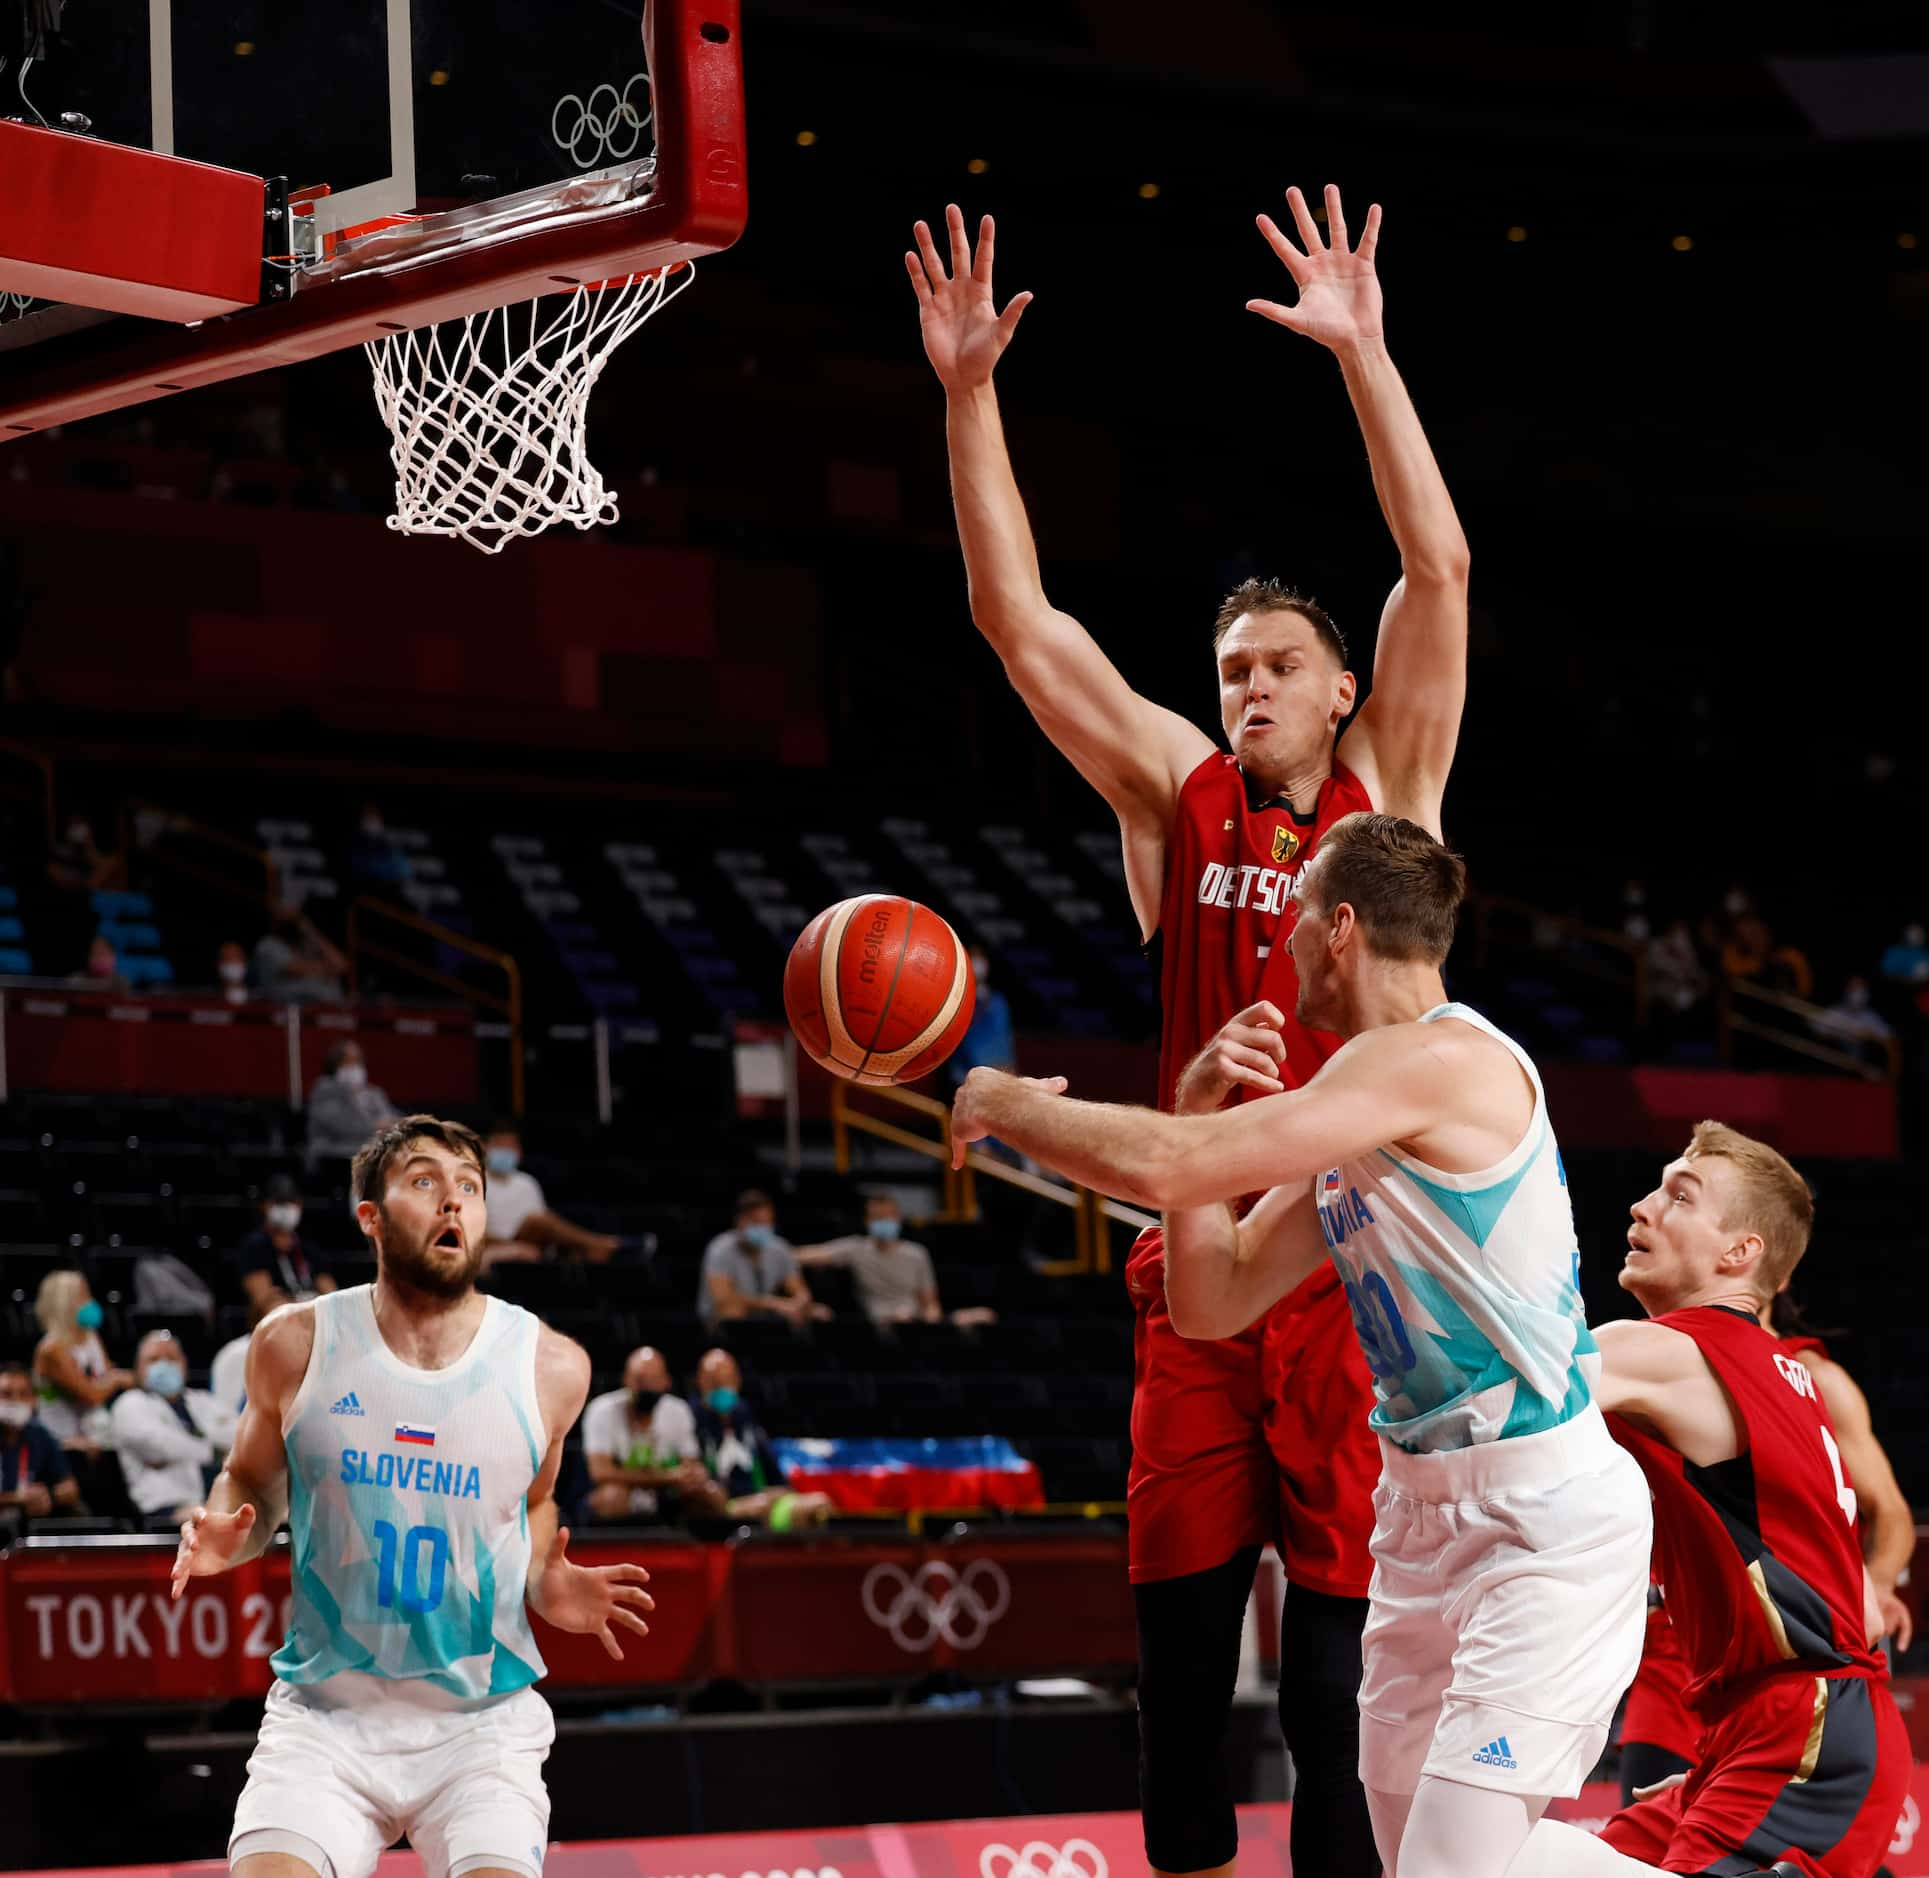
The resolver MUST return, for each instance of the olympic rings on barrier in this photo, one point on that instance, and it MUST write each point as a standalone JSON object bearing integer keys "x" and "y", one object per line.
{"x": 937, "y": 1601}
{"x": 606, "y": 127}
{"x": 1079, "y": 1858}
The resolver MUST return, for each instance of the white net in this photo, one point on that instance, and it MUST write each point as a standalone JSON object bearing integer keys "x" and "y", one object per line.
{"x": 489, "y": 414}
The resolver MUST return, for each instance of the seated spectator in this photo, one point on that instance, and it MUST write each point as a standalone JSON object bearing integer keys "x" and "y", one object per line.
{"x": 295, "y": 964}
{"x": 989, "y": 1041}
{"x": 228, "y": 1373}
{"x": 894, "y": 1276}
{"x": 231, "y": 971}
{"x": 76, "y": 865}
{"x": 102, "y": 972}
{"x": 640, "y": 1445}
{"x": 1854, "y": 1023}
{"x": 522, "y": 1225}
{"x": 344, "y": 1107}
{"x": 1751, "y": 952}
{"x": 1907, "y": 961}
{"x": 372, "y": 856}
{"x": 275, "y": 1260}
{"x": 35, "y": 1474}
{"x": 72, "y": 1375}
{"x": 751, "y": 1272}
{"x": 1679, "y": 979}
{"x": 171, "y": 1439}
{"x": 738, "y": 1455}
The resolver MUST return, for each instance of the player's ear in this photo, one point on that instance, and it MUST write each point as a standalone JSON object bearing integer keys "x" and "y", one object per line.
{"x": 1743, "y": 1254}
{"x": 367, "y": 1215}
{"x": 1346, "y": 692}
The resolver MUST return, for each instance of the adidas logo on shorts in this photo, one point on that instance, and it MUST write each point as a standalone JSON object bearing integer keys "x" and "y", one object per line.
{"x": 348, "y": 1406}
{"x": 1496, "y": 1754}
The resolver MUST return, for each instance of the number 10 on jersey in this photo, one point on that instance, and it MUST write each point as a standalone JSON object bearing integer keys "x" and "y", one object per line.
{"x": 411, "y": 1591}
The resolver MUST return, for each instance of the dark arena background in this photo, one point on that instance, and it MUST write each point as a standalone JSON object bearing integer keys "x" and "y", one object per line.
{"x": 530, "y": 834}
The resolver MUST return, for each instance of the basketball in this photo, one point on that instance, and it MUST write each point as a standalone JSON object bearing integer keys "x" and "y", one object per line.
{"x": 878, "y": 989}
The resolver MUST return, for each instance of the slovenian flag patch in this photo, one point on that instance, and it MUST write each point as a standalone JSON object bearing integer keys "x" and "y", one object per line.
{"x": 1331, "y": 1184}
{"x": 415, "y": 1434}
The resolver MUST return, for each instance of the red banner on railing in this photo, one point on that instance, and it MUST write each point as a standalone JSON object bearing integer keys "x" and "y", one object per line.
{"x": 89, "y": 1624}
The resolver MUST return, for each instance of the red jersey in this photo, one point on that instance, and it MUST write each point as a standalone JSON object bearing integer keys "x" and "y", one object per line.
{"x": 1228, "y": 910}
{"x": 1264, "y": 1435}
{"x": 1758, "y": 1554}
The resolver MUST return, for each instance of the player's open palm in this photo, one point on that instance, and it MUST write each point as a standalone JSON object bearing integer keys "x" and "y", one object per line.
{"x": 590, "y": 1599}
{"x": 210, "y": 1543}
{"x": 964, "y": 333}
{"x": 1339, "y": 293}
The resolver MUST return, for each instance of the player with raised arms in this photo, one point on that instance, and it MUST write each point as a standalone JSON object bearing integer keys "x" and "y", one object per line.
{"x": 411, "y": 1431}
{"x": 1262, "y": 1436}
{"x": 1511, "y": 1534}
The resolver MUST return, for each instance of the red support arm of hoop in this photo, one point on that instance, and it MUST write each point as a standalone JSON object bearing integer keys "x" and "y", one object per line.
{"x": 697, "y": 207}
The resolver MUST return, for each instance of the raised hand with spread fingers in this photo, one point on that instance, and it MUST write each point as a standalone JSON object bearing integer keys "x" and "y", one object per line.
{"x": 964, "y": 333}
{"x": 1339, "y": 292}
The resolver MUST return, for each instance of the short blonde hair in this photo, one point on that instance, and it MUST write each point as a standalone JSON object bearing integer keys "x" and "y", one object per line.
{"x": 1770, "y": 1198}
{"x": 57, "y": 1301}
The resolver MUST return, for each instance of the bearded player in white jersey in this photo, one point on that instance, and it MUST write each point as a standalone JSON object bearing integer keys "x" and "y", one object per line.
{"x": 410, "y": 1431}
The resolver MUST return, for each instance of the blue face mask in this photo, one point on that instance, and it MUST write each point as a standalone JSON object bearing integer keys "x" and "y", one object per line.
{"x": 504, "y": 1160}
{"x": 885, "y": 1228}
{"x": 165, "y": 1377}
{"x": 756, "y": 1237}
{"x": 89, "y": 1315}
{"x": 722, "y": 1401}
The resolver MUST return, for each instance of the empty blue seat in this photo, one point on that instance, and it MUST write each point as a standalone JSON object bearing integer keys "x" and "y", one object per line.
{"x": 118, "y": 903}
{"x": 15, "y": 963}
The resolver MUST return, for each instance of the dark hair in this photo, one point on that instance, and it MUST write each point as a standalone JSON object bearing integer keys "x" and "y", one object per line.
{"x": 13, "y": 1367}
{"x": 751, "y": 1199}
{"x": 506, "y": 1125}
{"x": 1404, "y": 886}
{"x": 338, "y": 1056}
{"x": 1786, "y": 1318}
{"x": 279, "y": 1187}
{"x": 1272, "y": 596}
{"x": 368, "y": 1172}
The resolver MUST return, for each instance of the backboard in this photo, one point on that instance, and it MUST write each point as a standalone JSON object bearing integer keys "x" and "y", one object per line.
{"x": 520, "y": 132}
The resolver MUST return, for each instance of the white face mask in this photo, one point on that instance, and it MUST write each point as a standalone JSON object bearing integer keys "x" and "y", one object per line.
{"x": 15, "y": 1414}
{"x": 285, "y": 1215}
{"x": 354, "y": 1075}
{"x": 234, "y": 971}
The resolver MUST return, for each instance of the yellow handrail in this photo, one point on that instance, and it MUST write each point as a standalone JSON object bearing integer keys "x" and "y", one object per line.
{"x": 267, "y": 890}
{"x": 509, "y": 1004}
{"x": 40, "y": 761}
{"x": 1092, "y": 1247}
{"x": 1837, "y": 1057}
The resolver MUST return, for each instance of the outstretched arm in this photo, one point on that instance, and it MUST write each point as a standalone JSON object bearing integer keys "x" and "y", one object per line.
{"x": 1382, "y": 1086}
{"x": 1222, "y": 1274}
{"x": 250, "y": 1498}
{"x": 1402, "y": 743}
{"x": 1135, "y": 753}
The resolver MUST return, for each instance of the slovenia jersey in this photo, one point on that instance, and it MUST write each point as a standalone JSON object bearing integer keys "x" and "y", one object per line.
{"x": 1464, "y": 1287}
{"x": 407, "y": 1505}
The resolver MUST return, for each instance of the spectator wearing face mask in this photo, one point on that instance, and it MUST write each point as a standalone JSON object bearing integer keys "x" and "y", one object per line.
{"x": 990, "y": 1042}
{"x": 522, "y": 1224}
{"x": 231, "y": 971}
{"x": 72, "y": 1376}
{"x": 171, "y": 1439}
{"x": 751, "y": 1271}
{"x": 35, "y": 1475}
{"x": 640, "y": 1444}
{"x": 373, "y": 856}
{"x": 344, "y": 1107}
{"x": 1853, "y": 1023}
{"x": 896, "y": 1283}
{"x": 295, "y": 963}
{"x": 102, "y": 972}
{"x": 738, "y": 1456}
{"x": 76, "y": 865}
{"x": 275, "y": 1259}
{"x": 1907, "y": 961}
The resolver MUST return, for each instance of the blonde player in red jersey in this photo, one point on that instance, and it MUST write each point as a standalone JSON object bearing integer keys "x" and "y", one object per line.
{"x": 1262, "y": 1436}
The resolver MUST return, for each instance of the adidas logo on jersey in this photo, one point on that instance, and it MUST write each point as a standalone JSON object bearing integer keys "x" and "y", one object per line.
{"x": 1496, "y": 1754}
{"x": 348, "y": 1406}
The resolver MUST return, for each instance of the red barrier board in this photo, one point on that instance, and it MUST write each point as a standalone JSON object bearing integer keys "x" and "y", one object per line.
{"x": 93, "y": 1624}
{"x": 1065, "y": 1845}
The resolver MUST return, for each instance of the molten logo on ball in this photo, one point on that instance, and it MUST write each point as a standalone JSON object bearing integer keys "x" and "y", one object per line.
{"x": 878, "y": 989}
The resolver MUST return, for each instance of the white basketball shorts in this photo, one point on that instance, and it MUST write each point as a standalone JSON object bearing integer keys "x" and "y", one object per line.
{"x": 353, "y": 1763}
{"x": 1509, "y": 1602}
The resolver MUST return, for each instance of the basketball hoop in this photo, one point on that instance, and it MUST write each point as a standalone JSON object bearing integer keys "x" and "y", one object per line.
{"x": 489, "y": 414}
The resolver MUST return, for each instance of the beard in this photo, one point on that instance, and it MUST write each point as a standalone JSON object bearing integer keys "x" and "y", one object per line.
{"x": 415, "y": 1261}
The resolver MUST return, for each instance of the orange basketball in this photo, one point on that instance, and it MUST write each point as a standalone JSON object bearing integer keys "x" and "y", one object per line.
{"x": 878, "y": 989}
